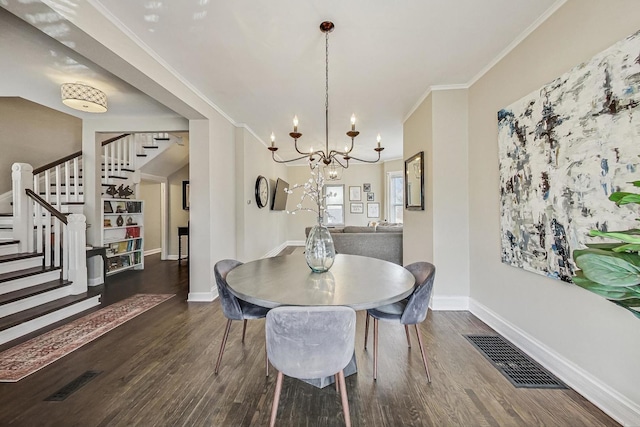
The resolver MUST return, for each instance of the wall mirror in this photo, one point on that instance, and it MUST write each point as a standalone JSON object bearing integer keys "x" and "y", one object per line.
{"x": 414, "y": 182}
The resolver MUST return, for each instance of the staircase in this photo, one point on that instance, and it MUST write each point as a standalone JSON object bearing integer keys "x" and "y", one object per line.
{"x": 43, "y": 277}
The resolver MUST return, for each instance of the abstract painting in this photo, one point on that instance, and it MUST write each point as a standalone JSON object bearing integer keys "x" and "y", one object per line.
{"x": 563, "y": 149}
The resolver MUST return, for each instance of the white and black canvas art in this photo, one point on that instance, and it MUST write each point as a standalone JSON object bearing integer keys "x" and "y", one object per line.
{"x": 563, "y": 149}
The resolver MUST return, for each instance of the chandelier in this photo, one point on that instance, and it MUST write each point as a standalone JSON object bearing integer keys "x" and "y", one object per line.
{"x": 83, "y": 97}
{"x": 333, "y": 160}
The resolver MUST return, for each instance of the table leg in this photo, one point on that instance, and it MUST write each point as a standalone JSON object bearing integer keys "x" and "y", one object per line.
{"x": 179, "y": 249}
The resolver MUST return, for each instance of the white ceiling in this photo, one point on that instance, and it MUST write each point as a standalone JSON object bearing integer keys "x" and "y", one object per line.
{"x": 263, "y": 62}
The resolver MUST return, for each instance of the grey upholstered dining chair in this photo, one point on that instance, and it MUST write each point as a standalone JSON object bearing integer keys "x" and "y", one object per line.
{"x": 409, "y": 311}
{"x": 232, "y": 307}
{"x": 311, "y": 342}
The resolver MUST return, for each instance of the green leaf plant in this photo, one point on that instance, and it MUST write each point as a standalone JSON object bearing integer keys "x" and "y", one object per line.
{"x": 612, "y": 270}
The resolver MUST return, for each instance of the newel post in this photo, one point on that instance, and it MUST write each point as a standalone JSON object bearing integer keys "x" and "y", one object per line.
{"x": 22, "y": 179}
{"x": 77, "y": 238}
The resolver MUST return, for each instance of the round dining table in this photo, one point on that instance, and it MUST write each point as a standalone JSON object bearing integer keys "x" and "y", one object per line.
{"x": 353, "y": 281}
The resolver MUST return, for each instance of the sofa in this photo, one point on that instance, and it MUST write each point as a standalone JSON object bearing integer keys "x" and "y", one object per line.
{"x": 380, "y": 241}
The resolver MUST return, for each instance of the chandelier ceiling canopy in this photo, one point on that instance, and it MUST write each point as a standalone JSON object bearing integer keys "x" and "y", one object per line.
{"x": 333, "y": 160}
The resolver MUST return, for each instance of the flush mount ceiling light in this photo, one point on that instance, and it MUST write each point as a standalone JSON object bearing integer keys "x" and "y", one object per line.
{"x": 333, "y": 160}
{"x": 84, "y": 98}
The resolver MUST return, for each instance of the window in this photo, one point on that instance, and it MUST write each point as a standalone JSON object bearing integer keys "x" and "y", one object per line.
{"x": 334, "y": 203}
{"x": 395, "y": 206}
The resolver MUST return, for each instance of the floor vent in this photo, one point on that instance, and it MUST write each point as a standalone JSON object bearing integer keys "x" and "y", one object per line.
{"x": 517, "y": 367}
{"x": 73, "y": 386}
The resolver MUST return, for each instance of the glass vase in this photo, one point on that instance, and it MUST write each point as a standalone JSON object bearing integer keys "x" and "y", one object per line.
{"x": 319, "y": 250}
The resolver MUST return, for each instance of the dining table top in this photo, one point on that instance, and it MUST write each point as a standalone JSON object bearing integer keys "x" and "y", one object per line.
{"x": 354, "y": 281}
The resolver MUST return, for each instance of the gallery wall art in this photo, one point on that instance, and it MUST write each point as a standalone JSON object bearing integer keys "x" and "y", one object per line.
{"x": 563, "y": 150}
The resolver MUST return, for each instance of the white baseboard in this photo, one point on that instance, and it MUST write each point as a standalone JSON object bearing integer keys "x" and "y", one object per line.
{"x": 275, "y": 251}
{"x": 449, "y": 303}
{"x": 95, "y": 281}
{"x": 173, "y": 257}
{"x": 153, "y": 251}
{"x": 617, "y": 406}
{"x": 296, "y": 242}
{"x": 203, "y": 296}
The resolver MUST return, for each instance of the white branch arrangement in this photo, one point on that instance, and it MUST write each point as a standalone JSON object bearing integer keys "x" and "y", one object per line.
{"x": 314, "y": 190}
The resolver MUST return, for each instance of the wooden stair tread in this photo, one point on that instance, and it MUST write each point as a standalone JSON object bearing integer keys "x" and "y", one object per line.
{"x": 6, "y": 214}
{"x": 4, "y": 242}
{"x": 19, "y": 256}
{"x": 44, "y": 309}
{"x": 141, "y": 155}
{"x": 73, "y": 203}
{"x": 118, "y": 177}
{"x": 19, "y": 274}
{"x": 150, "y": 146}
{"x": 14, "y": 296}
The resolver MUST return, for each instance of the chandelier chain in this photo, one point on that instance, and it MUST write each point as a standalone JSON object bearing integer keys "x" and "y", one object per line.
{"x": 326, "y": 92}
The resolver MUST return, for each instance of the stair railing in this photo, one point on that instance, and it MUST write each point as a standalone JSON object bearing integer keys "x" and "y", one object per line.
{"x": 42, "y": 228}
{"x": 118, "y": 154}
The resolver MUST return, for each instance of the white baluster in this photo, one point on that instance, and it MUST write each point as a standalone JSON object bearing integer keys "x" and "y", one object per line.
{"x": 76, "y": 179}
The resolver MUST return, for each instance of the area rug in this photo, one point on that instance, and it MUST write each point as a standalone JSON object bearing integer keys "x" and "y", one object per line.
{"x": 30, "y": 356}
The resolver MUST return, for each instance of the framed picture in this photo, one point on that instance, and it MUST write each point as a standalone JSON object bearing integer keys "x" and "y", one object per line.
{"x": 185, "y": 195}
{"x": 356, "y": 208}
{"x": 373, "y": 210}
{"x": 107, "y": 207}
{"x": 366, "y": 187}
{"x": 370, "y": 197}
{"x": 354, "y": 193}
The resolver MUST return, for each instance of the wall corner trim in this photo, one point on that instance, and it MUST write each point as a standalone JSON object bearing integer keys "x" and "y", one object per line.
{"x": 202, "y": 296}
{"x": 614, "y": 404}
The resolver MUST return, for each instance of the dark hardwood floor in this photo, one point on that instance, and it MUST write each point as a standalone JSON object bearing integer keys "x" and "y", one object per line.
{"x": 157, "y": 370}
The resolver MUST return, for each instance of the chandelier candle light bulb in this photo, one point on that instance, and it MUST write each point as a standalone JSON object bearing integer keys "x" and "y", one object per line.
{"x": 295, "y": 123}
{"x": 353, "y": 122}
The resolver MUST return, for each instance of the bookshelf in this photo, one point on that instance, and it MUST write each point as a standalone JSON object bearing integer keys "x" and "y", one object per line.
{"x": 122, "y": 226}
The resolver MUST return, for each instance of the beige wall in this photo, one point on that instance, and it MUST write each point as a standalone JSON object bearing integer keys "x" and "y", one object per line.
{"x": 150, "y": 192}
{"x": 178, "y": 217}
{"x": 258, "y": 230}
{"x": 418, "y": 225}
{"x": 34, "y": 134}
{"x": 594, "y": 336}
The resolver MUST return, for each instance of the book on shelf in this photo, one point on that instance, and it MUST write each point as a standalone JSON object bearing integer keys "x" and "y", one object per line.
{"x": 133, "y": 232}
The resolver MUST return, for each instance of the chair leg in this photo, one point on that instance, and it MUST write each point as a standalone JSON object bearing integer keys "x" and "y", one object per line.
{"x": 244, "y": 329}
{"x": 337, "y": 383}
{"x": 345, "y": 401}
{"x": 424, "y": 356}
{"x": 375, "y": 348}
{"x": 366, "y": 331}
{"x": 406, "y": 331}
{"x": 266, "y": 360}
{"x": 276, "y": 400}
{"x": 224, "y": 342}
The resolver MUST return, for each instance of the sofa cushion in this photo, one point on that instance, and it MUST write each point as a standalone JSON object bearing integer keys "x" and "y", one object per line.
{"x": 359, "y": 229}
{"x": 389, "y": 229}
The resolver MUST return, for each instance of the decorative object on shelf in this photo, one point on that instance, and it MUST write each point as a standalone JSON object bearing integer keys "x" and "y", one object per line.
{"x": 111, "y": 190}
{"x": 370, "y": 197}
{"x": 83, "y": 97}
{"x": 414, "y": 182}
{"x": 373, "y": 210}
{"x": 319, "y": 250}
{"x": 185, "y": 195}
{"x": 262, "y": 191}
{"x": 612, "y": 270}
{"x": 124, "y": 192}
{"x": 119, "y": 221}
{"x": 354, "y": 193}
{"x": 366, "y": 187}
{"x": 130, "y": 220}
{"x": 107, "y": 222}
{"x": 107, "y": 207}
{"x": 329, "y": 158}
